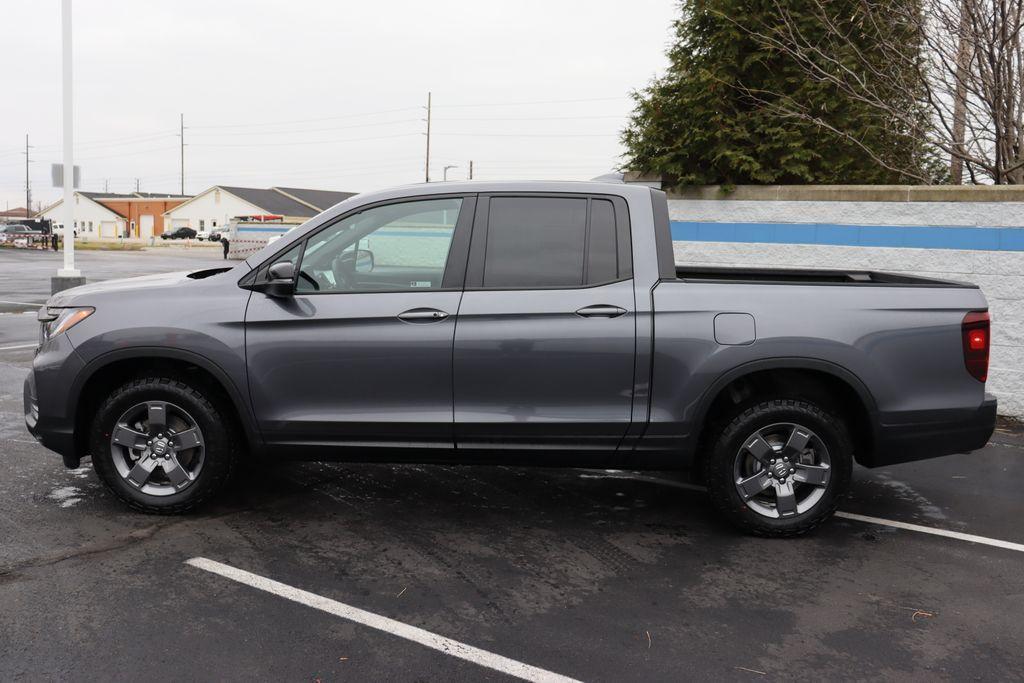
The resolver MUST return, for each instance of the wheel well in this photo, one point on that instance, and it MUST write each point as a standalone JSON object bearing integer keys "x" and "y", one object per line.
{"x": 113, "y": 375}
{"x": 825, "y": 389}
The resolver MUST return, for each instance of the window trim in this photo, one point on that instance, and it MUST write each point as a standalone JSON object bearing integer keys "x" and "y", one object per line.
{"x": 481, "y": 225}
{"x": 457, "y": 250}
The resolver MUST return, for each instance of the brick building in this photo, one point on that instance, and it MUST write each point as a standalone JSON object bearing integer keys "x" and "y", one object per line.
{"x": 110, "y": 215}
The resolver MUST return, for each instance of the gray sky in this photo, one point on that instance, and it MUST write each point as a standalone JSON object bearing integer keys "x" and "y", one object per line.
{"x": 291, "y": 93}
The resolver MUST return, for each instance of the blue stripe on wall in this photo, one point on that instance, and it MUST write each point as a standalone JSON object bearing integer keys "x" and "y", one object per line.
{"x": 912, "y": 236}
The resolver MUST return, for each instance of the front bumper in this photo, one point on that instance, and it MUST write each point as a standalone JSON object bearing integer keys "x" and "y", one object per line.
{"x": 48, "y": 417}
{"x": 919, "y": 441}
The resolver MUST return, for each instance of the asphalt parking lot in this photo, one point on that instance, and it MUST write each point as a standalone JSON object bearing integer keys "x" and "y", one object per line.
{"x": 591, "y": 575}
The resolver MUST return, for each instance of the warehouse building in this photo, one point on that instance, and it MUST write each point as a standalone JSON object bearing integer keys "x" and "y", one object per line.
{"x": 214, "y": 208}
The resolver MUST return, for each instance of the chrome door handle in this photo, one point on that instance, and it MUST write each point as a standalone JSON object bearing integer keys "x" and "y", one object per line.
{"x": 600, "y": 311}
{"x": 422, "y": 315}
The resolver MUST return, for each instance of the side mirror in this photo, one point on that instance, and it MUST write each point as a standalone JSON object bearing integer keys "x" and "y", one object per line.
{"x": 280, "y": 280}
{"x": 357, "y": 261}
{"x": 364, "y": 261}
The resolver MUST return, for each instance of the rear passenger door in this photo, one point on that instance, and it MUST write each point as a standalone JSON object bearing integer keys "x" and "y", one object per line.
{"x": 545, "y": 340}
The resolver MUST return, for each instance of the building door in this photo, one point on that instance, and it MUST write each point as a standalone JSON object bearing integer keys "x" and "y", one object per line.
{"x": 108, "y": 229}
{"x": 146, "y": 226}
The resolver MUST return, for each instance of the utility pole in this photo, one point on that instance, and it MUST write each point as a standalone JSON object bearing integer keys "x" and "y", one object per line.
{"x": 182, "y": 134}
{"x": 67, "y": 276}
{"x": 427, "y": 168}
{"x": 106, "y": 185}
{"x": 470, "y": 169}
{"x": 136, "y": 184}
{"x": 28, "y": 187}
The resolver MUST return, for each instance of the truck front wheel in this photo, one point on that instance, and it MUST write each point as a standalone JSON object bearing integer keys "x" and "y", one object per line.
{"x": 163, "y": 445}
{"x": 780, "y": 467}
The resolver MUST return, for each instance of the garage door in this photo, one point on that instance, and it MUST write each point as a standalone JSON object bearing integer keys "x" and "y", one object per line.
{"x": 145, "y": 226}
{"x": 108, "y": 229}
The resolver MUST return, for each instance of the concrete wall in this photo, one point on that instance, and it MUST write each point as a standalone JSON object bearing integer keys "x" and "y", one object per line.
{"x": 968, "y": 234}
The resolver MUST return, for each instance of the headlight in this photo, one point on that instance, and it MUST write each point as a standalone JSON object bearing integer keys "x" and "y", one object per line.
{"x": 54, "y": 321}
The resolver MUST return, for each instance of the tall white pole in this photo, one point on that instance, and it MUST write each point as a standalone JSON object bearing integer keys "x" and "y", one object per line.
{"x": 69, "y": 167}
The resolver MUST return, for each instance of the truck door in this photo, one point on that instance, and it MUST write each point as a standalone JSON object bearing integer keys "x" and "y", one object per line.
{"x": 545, "y": 341}
{"x": 361, "y": 355}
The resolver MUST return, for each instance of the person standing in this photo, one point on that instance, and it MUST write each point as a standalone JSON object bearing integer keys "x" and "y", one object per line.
{"x": 53, "y": 239}
{"x": 224, "y": 243}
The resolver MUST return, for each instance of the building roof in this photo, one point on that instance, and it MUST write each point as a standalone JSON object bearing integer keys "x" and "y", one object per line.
{"x": 318, "y": 199}
{"x": 133, "y": 195}
{"x": 272, "y": 201}
{"x": 90, "y": 196}
{"x": 18, "y": 212}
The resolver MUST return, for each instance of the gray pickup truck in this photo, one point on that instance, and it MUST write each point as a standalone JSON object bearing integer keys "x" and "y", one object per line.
{"x": 514, "y": 323}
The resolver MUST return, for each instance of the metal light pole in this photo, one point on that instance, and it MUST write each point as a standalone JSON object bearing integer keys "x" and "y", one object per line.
{"x": 68, "y": 276}
{"x": 446, "y": 172}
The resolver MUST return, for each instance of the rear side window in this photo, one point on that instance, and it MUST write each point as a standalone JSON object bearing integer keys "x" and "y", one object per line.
{"x": 535, "y": 242}
{"x": 555, "y": 241}
{"x": 602, "y": 258}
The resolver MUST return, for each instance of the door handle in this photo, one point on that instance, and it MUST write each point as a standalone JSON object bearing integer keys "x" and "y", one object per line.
{"x": 422, "y": 315}
{"x": 600, "y": 311}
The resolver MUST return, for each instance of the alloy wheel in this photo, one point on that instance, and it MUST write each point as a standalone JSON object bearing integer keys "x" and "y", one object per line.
{"x": 158, "y": 448}
{"x": 782, "y": 470}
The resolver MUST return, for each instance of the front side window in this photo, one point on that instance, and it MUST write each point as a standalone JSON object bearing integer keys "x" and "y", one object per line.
{"x": 395, "y": 247}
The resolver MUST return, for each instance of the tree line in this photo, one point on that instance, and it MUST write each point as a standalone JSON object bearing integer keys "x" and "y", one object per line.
{"x": 836, "y": 92}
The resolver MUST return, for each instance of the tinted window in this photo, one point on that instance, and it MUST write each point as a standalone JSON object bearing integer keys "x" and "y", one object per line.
{"x": 386, "y": 248}
{"x": 535, "y": 242}
{"x": 602, "y": 259}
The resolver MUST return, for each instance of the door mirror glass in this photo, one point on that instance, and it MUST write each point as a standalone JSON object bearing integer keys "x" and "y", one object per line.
{"x": 282, "y": 270}
{"x": 364, "y": 261}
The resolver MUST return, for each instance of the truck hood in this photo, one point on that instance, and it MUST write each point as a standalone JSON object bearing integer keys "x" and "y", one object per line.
{"x": 87, "y": 294}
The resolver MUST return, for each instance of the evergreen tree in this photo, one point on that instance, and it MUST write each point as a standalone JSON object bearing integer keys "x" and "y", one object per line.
{"x": 723, "y": 113}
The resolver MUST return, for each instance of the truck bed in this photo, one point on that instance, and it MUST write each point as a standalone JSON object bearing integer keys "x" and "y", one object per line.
{"x": 809, "y": 277}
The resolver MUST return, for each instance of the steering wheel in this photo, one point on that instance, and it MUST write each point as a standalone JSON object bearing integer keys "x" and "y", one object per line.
{"x": 344, "y": 272}
{"x": 312, "y": 280}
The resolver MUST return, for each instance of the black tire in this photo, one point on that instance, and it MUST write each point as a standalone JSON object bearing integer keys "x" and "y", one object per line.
{"x": 728, "y": 439}
{"x": 212, "y": 416}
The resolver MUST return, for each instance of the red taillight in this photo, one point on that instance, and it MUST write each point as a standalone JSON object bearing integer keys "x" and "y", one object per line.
{"x": 976, "y": 343}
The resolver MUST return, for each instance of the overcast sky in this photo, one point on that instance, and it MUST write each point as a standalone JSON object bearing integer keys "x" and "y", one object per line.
{"x": 322, "y": 94}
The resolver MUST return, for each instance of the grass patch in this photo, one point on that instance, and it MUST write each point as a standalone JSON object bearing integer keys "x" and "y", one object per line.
{"x": 107, "y": 246}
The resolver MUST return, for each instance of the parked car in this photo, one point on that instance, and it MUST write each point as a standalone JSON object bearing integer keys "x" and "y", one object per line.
{"x": 179, "y": 234}
{"x": 12, "y": 231}
{"x": 214, "y": 237}
{"x": 578, "y": 342}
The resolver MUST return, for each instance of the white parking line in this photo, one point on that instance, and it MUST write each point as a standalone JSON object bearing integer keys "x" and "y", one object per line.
{"x": 970, "y": 538}
{"x": 375, "y": 621}
{"x": 20, "y": 346}
{"x": 906, "y": 526}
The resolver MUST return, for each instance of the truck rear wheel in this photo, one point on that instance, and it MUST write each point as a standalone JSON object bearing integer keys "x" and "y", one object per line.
{"x": 780, "y": 467}
{"x": 162, "y": 445}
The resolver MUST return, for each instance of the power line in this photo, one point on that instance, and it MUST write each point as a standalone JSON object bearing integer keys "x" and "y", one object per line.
{"x": 293, "y": 121}
{"x": 533, "y": 118}
{"x": 305, "y": 142}
{"x": 309, "y": 130}
{"x": 529, "y": 135}
{"x": 516, "y": 104}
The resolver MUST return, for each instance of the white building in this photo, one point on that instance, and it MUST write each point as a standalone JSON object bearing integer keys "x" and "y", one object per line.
{"x": 92, "y": 219}
{"x": 214, "y": 208}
